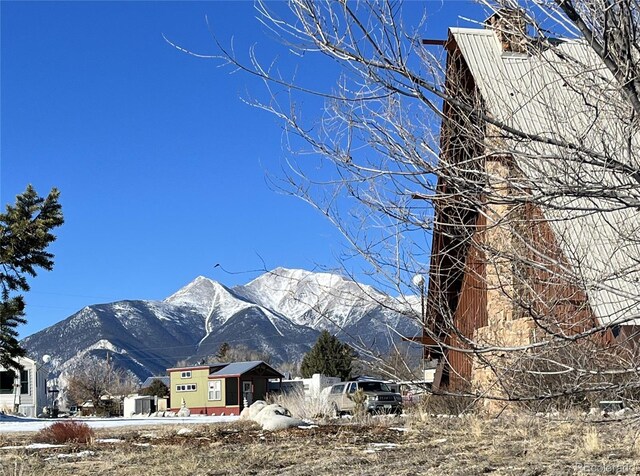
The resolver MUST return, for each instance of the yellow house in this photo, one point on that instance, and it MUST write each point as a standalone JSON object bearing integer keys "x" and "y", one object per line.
{"x": 220, "y": 389}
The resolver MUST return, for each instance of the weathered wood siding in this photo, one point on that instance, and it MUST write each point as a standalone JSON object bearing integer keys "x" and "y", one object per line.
{"x": 470, "y": 313}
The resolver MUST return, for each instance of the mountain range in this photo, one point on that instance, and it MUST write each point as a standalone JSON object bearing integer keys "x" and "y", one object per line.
{"x": 280, "y": 314}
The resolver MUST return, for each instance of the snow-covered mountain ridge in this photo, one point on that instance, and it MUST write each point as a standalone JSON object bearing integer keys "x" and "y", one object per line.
{"x": 280, "y": 313}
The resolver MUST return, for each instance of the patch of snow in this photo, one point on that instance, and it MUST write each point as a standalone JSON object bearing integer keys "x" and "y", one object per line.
{"x": 202, "y": 295}
{"x": 80, "y": 454}
{"x": 4, "y": 418}
{"x": 28, "y": 425}
{"x": 103, "y": 344}
{"x": 33, "y": 446}
{"x": 375, "y": 447}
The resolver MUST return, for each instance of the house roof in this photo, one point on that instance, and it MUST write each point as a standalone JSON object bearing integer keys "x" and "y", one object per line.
{"x": 235, "y": 369}
{"x": 25, "y": 362}
{"x": 566, "y": 94}
{"x": 164, "y": 379}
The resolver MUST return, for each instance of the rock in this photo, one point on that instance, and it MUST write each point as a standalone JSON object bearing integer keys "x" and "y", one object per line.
{"x": 256, "y": 408}
{"x": 280, "y": 422}
{"x": 272, "y": 417}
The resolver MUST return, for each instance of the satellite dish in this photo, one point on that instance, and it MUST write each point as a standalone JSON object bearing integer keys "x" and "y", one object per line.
{"x": 46, "y": 358}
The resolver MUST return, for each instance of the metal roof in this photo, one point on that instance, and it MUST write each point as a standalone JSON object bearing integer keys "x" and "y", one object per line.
{"x": 239, "y": 368}
{"x": 164, "y": 379}
{"x": 566, "y": 94}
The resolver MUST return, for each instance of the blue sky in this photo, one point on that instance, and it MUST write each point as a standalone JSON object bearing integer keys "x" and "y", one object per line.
{"x": 160, "y": 164}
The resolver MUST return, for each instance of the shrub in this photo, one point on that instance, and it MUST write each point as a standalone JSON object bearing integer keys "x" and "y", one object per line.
{"x": 576, "y": 376}
{"x": 360, "y": 399}
{"x": 65, "y": 432}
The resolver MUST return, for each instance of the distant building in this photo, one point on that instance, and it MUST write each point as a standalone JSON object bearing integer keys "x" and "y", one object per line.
{"x": 143, "y": 405}
{"x": 23, "y": 391}
{"x": 310, "y": 387}
{"x": 220, "y": 389}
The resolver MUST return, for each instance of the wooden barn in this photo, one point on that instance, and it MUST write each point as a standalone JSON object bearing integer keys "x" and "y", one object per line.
{"x": 519, "y": 249}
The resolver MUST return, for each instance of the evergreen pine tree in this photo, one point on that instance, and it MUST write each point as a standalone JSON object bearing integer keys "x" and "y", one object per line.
{"x": 223, "y": 351}
{"x": 25, "y": 234}
{"x": 157, "y": 387}
{"x": 329, "y": 357}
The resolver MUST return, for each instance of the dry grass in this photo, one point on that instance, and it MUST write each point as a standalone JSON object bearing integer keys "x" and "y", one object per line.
{"x": 432, "y": 404}
{"x": 398, "y": 446}
{"x": 591, "y": 442}
{"x": 634, "y": 445}
{"x": 476, "y": 427}
{"x": 302, "y": 407}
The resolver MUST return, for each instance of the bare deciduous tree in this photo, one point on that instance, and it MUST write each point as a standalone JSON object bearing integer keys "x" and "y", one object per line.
{"x": 97, "y": 381}
{"x": 505, "y": 164}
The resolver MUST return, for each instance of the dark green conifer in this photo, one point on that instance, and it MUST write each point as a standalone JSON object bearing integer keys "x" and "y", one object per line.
{"x": 25, "y": 234}
{"x": 329, "y": 357}
{"x": 157, "y": 388}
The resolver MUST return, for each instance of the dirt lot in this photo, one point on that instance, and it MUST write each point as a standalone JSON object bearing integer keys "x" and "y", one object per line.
{"x": 400, "y": 446}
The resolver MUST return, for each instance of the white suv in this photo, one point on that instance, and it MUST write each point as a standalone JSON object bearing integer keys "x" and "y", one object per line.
{"x": 379, "y": 397}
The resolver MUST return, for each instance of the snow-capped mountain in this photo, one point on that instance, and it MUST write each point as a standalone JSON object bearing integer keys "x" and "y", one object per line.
{"x": 218, "y": 304}
{"x": 279, "y": 313}
{"x": 356, "y": 313}
{"x": 144, "y": 336}
{"x": 318, "y": 300}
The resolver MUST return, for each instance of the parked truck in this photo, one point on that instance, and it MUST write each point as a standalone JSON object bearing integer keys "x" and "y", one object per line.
{"x": 379, "y": 398}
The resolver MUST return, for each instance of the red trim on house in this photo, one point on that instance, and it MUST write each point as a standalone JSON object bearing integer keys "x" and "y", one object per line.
{"x": 216, "y": 411}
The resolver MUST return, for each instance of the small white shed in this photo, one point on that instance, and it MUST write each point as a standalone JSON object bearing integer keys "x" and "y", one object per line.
{"x": 139, "y": 405}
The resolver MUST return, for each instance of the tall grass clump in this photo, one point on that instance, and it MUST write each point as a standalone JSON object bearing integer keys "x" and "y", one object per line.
{"x": 301, "y": 406}
{"x": 592, "y": 445}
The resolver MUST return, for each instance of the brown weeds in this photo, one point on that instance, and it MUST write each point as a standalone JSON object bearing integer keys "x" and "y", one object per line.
{"x": 65, "y": 432}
